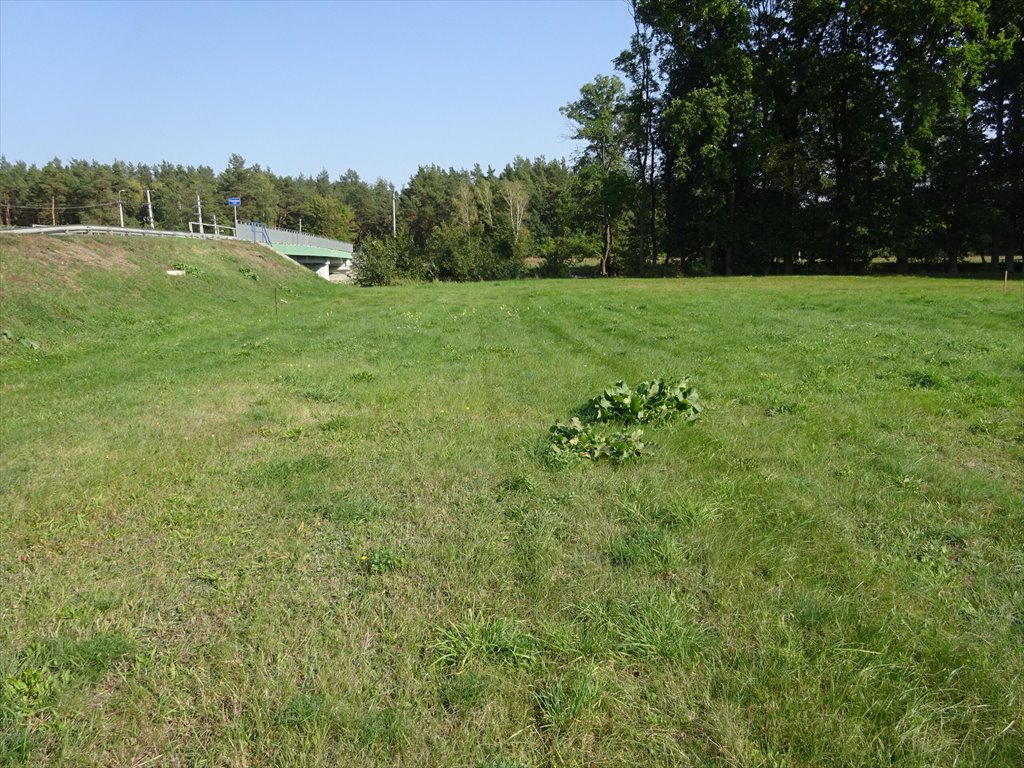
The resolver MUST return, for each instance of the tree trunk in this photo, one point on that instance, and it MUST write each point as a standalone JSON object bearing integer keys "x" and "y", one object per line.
{"x": 789, "y": 202}
{"x": 732, "y": 228}
{"x": 606, "y": 256}
{"x": 1001, "y": 241}
{"x": 641, "y": 260}
{"x": 654, "y": 215}
{"x": 842, "y": 161}
{"x": 653, "y": 203}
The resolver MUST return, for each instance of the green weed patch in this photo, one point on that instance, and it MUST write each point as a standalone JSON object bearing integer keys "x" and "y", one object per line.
{"x": 577, "y": 440}
{"x": 651, "y": 401}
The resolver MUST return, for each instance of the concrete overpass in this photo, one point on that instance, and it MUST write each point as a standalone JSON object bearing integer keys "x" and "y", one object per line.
{"x": 331, "y": 259}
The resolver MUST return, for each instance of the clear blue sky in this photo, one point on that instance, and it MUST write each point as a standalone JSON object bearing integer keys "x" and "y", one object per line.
{"x": 381, "y": 87}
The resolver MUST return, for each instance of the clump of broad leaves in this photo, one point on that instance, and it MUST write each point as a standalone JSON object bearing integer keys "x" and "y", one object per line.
{"x": 650, "y": 401}
{"x": 577, "y": 440}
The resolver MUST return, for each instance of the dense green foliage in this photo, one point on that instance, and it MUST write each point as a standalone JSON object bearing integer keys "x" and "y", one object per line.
{"x": 825, "y": 569}
{"x": 82, "y": 192}
{"x": 768, "y": 134}
{"x": 751, "y": 136}
{"x": 576, "y": 440}
{"x": 653, "y": 400}
{"x": 452, "y": 225}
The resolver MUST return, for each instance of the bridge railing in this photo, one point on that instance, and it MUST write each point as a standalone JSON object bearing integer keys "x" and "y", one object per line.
{"x": 96, "y": 229}
{"x": 291, "y": 237}
{"x": 205, "y": 228}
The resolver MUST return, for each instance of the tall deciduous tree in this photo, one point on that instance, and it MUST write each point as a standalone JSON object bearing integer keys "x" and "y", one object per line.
{"x": 639, "y": 64}
{"x": 513, "y": 192}
{"x": 1001, "y": 113}
{"x": 603, "y": 180}
{"x": 705, "y": 115}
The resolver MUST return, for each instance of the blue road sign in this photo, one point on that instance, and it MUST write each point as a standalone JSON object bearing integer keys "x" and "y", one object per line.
{"x": 234, "y": 201}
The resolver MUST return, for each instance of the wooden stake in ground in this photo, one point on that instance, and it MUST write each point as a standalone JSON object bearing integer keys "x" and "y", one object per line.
{"x": 275, "y": 299}
{"x": 1006, "y": 280}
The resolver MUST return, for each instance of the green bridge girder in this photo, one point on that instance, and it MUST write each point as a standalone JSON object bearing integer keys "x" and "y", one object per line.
{"x": 311, "y": 251}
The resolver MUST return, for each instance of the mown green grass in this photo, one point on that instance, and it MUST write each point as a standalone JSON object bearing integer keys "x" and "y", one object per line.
{"x": 826, "y": 569}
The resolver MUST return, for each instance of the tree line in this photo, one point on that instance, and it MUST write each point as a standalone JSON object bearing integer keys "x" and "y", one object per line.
{"x": 764, "y": 135}
{"x": 83, "y": 192}
{"x": 736, "y": 136}
{"x": 450, "y": 224}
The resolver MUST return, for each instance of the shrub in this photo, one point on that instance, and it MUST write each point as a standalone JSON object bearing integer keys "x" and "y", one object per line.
{"x": 455, "y": 254}
{"x": 376, "y": 263}
{"x": 576, "y": 438}
{"x": 383, "y": 261}
{"x": 651, "y": 401}
{"x": 563, "y": 253}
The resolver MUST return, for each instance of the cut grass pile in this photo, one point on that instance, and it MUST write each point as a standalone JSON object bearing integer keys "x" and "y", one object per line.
{"x": 330, "y": 536}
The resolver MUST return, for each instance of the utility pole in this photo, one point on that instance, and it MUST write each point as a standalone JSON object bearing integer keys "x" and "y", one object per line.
{"x": 149, "y": 205}
{"x": 53, "y": 209}
{"x": 394, "y": 213}
{"x": 300, "y": 225}
{"x": 199, "y": 208}
{"x": 120, "y": 208}
{"x": 216, "y": 229}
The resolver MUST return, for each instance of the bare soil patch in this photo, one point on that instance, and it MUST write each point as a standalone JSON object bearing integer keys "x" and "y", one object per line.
{"x": 68, "y": 252}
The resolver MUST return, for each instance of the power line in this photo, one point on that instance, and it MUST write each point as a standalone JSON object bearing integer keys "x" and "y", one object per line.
{"x": 61, "y": 208}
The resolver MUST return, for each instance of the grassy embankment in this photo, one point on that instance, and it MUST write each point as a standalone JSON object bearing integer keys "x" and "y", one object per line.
{"x": 827, "y": 569}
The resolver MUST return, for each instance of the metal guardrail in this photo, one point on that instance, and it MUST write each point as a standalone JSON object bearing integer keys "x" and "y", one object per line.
{"x": 91, "y": 229}
{"x": 291, "y": 237}
{"x": 218, "y": 229}
{"x": 262, "y": 234}
{"x": 257, "y": 232}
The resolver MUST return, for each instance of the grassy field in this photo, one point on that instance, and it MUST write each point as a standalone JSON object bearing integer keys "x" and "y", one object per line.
{"x": 329, "y": 536}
